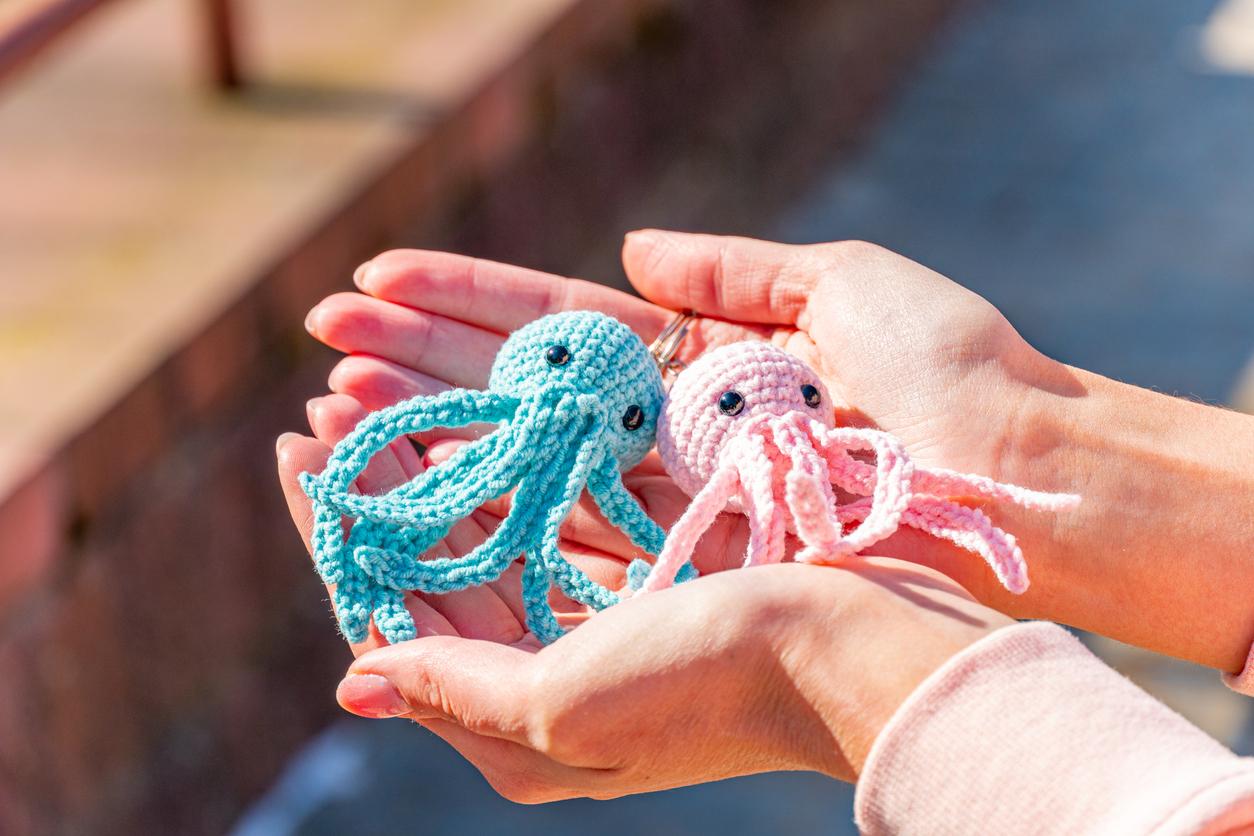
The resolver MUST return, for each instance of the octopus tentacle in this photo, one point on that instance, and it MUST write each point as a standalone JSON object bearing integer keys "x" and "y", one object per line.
{"x": 391, "y": 616}
{"x": 943, "y": 482}
{"x": 481, "y": 470}
{"x": 683, "y": 536}
{"x": 569, "y": 578}
{"x": 768, "y": 526}
{"x": 535, "y": 594}
{"x": 455, "y": 408}
{"x": 354, "y": 600}
{"x": 808, "y": 494}
{"x": 622, "y": 509}
{"x": 545, "y": 563}
{"x": 892, "y": 486}
{"x": 390, "y": 564}
{"x": 968, "y": 528}
{"x": 384, "y": 555}
{"x": 859, "y": 477}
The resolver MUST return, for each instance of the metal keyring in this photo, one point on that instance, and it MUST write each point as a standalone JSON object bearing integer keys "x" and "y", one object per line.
{"x": 666, "y": 346}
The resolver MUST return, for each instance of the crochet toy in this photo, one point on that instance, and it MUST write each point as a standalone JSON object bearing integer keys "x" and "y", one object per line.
{"x": 750, "y": 427}
{"x": 577, "y": 397}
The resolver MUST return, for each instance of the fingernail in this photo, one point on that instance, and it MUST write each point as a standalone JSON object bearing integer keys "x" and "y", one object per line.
{"x": 284, "y": 439}
{"x": 361, "y": 276}
{"x": 311, "y": 320}
{"x": 642, "y": 236}
{"x": 371, "y": 695}
{"x": 311, "y": 409}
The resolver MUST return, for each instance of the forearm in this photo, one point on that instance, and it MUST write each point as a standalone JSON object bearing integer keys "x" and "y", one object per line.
{"x": 1161, "y": 551}
{"x": 1027, "y": 729}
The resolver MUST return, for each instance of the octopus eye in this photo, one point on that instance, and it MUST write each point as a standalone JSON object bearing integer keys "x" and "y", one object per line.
{"x": 811, "y": 394}
{"x": 731, "y": 403}
{"x": 557, "y": 355}
{"x": 633, "y": 418}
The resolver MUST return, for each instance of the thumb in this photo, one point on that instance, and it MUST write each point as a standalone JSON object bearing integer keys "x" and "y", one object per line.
{"x": 482, "y": 686}
{"x": 741, "y": 279}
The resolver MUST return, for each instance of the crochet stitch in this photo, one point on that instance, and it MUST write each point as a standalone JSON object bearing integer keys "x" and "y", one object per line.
{"x": 750, "y": 427}
{"x": 577, "y": 397}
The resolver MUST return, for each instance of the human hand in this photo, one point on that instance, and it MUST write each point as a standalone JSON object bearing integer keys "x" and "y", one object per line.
{"x": 783, "y": 667}
{"x": 493, "y": 612}
{"x": 906, "y": 350}
{"x": 956, "y": 371}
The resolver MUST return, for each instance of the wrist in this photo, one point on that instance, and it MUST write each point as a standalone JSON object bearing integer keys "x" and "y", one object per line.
{"x": 854, "y": 646}
{"x": 1163, "y": 542}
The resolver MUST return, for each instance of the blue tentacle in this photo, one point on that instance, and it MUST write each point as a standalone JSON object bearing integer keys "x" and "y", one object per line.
{"x": 569, "y": 578}
{"x": 355, "y": 595}
{"x": 387, "y": 556}
{"x": 455, "y": 408}
{"x": 535, "y": 593}
{"x": 622, "y": 509}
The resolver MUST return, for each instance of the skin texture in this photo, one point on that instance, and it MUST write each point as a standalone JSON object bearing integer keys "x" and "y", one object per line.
{"x": 797, "y": 666}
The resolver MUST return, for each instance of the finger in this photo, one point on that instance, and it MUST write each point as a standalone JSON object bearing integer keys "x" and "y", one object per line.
{"x": 494, "y": 296}
{"x": 299, "y": 454}
{"x": 333, "y": 416}
{"x": 508, "y": 586}
{"x": 429, "y": 343}
{"x": 377, "y": 383}
{"x": 502, "y": 297}
{"x": 484, "y": 687}
{"x": 740, "y": 279}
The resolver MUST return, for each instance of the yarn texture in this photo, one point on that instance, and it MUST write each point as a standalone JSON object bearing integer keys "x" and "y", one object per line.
{"x": 750, "y": 427}
{"x": 576, "y": 396}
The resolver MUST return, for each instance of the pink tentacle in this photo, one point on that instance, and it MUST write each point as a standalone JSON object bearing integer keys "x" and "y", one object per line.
{"x": 943, "y": 482}
{"x": 859, "y": 477}
{"x": 757, "y": 461}
{"x": 891, "y": 487}
{"x": 968, "y": 528}
{"x": 682, "y": 539}
{"x": 808, "y": 493}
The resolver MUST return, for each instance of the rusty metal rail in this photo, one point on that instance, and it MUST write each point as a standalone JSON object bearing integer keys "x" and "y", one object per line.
{"x": 26, "y": 33}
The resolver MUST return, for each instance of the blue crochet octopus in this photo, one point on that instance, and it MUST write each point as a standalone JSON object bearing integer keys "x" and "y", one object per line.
{"x": 577, "y": 397}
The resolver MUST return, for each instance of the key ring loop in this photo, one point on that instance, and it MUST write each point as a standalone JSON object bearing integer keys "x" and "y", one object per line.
{"x": 666, "y": 346}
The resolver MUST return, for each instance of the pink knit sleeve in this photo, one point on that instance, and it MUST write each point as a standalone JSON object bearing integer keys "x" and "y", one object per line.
{"x": 1026, "y": 731}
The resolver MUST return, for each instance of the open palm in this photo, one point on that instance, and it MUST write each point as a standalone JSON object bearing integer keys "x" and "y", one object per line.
{"x": 903, "y": 347}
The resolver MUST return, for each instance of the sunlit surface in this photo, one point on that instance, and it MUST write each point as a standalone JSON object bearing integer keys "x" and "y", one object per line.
{"x": 1227, "y": 39}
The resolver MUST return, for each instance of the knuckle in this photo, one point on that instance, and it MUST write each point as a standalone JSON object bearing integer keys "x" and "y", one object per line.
{"x": 558, "y": 725}
{"x": 853, "y": 251}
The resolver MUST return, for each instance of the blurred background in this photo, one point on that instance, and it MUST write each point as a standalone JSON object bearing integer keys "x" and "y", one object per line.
{"x": 180, "y": 180}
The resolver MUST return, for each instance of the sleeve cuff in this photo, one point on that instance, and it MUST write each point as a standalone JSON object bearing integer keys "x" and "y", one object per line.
{"x": 1027, "y": 731}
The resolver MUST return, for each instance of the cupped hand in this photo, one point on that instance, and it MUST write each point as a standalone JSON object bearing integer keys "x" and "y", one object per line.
{"x": 903, "y": 348}
{"x": 783, "y": 667}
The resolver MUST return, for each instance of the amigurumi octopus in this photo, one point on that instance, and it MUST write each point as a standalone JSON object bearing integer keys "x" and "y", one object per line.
{"x": 577, "y": 397}
{"x": 750, "y": 427}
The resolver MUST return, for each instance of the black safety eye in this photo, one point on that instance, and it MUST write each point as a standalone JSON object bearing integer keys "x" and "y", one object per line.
{"x": 557, "y": 355}
{"x": 730, "y": 403}
{"x": 811, "y": 394}
{"x": 633, "y": 418}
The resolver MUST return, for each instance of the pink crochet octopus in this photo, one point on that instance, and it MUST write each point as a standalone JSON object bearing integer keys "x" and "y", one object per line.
{"x": 750, "y": 427}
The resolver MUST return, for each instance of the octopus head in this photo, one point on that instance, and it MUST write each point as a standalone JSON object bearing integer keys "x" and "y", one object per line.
{"x": 727, "y": 393}
{"x": 592, "y": 365}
